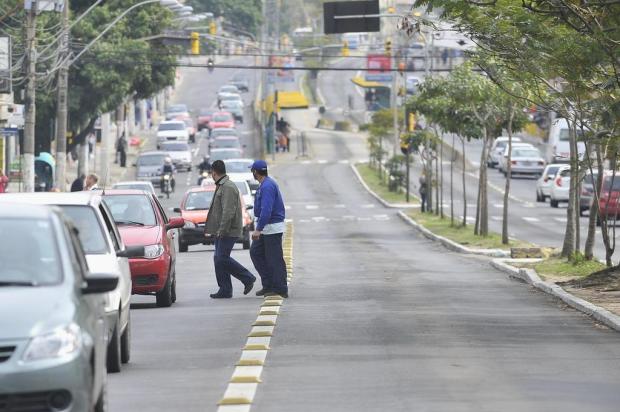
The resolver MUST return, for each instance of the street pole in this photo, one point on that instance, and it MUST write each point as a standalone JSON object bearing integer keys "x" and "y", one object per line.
{"x": 30, "y": 96}
{"x": 61, "y": 104}
{"x": 263, "y": 47}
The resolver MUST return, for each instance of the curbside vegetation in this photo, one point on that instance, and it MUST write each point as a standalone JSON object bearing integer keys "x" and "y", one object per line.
{"x": 376, "y": 186}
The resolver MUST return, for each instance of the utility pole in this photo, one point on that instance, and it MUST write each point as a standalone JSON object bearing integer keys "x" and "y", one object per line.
{"x": 61, "y": 103}
{"x": 264, "y": 79}
{"x": 30, "y": 97}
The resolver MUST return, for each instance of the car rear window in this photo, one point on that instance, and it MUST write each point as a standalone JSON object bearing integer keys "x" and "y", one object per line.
{"x": 226, "y": 143}
{"x": 525, "y": 153}
{"x": 222, "y": 118}
{"x": 90, "y": 231}
{"x": 131, "y": 209}
{"x": 552, "y": 171}
{"x": 199, "y": 200}
{"x": 607, "y": 183}
{"x": 31, "y": 255}
{"x": 238, "y": 166}
{"x": 171, "y": 126}
{"x": 151, "y": 160}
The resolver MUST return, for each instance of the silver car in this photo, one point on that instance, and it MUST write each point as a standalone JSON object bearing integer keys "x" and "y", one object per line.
{"x": 524, "y": 160}
{"x": 105, "y": 252}
{"x": 52, "y": 319}
{"x": 544, "y": 183}
{"x": 180, "y": 153}
{"x": 149, "y": 166}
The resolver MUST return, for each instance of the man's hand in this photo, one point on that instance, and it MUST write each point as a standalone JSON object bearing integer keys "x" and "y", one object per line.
{"x": 256, "y": 234}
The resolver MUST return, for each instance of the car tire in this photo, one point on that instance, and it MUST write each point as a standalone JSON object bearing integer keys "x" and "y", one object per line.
{"x": 102, "y": 402}
{"x": 113, "y": 357}
{"x": 553, "y": 203}
{"x": 539, "y": 197}
{"x": 182, "y": 246}
{"x": 126, "y": 342}
{"x": 173, "y": 290}
{"x": 164, "y": 296}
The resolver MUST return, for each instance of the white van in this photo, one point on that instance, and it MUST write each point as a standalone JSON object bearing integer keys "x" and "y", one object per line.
{"x": 558, "y": 146}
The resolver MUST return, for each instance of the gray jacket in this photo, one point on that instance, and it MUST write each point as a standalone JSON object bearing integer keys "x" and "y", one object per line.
{"x": 225, "y": 218}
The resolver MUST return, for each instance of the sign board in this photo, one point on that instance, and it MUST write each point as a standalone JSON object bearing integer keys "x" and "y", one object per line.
{"x": 357, "y": 23}
{"x": 283, "y": 75}
{"x": 378, "y": 77}
{"x": 5, "y": 65}
{"x": 46, "y": 5}
{"x": 378, "y": 63}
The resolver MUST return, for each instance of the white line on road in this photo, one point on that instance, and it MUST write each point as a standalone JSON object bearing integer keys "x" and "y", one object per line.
{"x": 312, "y": 207}
{"x": 560, "y": 219}
{"x": 368, "y": 206}
{"x": 531, "y": 219}
{"x": 321, "y": 162}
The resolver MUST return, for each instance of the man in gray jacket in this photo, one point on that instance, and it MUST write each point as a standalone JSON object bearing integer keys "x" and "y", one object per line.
{"x": 224, "y": 222}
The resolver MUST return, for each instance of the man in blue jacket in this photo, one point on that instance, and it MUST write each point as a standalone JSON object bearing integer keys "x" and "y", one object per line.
{"x": 266, "y": 251}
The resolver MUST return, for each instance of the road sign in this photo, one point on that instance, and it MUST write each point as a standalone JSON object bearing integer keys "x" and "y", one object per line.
{"x": 46, "y": 5}
{"x": 378, "y": 77}
{"x": 364, "y": 16}
{"x": 5, "y": 65}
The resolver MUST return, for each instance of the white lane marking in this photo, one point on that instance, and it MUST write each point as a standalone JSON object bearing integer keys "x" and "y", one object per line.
{"x": 529, "y": 205}
{"x": 343, "y": 162}
{"x": 320, "y": 219}
{"x": 364, "y": 219}
{"x": 531, "y": 219}
{"x": 498, "y": 205}
{"x": 304, "y": 221}
{"x": 306, "y": 162}
{"x": 339, "y": 206}
{"x": 497, "y": 218}
{"x": 312, "y": 207}
{"x": 560, "y": 219}
{"x": 321, "y": 162}
{"x": 348, "y": 217}
{"x": 368, "y": 206}
{"x": 469, "y": 218}
{"x": 288, "y": 207}
{"x": 381, "y": 217}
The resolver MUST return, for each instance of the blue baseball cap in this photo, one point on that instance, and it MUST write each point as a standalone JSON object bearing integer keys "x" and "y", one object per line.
{"x": 259, "y": 165}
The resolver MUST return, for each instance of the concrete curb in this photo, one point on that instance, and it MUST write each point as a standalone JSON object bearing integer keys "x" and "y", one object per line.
{"x": 379, "y": 198}
{"x": 455, "y": 247}
{"x": 530, "y": 277}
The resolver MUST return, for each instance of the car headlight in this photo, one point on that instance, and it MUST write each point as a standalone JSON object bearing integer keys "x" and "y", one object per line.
{"x": 189, "y": 225}
{"x": 61, "y": 342}
{"x": 153, "y": 251}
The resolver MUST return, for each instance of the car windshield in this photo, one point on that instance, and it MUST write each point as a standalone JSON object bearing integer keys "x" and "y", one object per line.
{"x": 224, "y": 154}
{"x": 31, "y": 256}
{"x": 525, "y": 152}
{"x": 222, "y": 118}
{"x": 231, "y": 104}
{"x": 171, "y": 126}
{"x": 199, "y": 200}
{"x": 552, "y": 171}
{"x": 152, "y": 160}
{"x": 228, "y": 89}
{"x": 243, "y": 187}
{"x": 177, "y": 108}
{"x": 223, "y": 132}
{"x": 501, "y": 144}
{"x": 607, "y": 183}
{"x": 131, "y": 210}
{"x": 175, "y": 147}
{"x": 226, "y": 143}
{"x": 238, "y": 166}
{"x": 230, "y": 97}
{"x": 90, "y": 230}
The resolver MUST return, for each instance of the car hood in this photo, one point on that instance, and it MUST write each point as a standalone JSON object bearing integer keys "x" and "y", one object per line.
{"x": 140, "y": 235}
{"x": 180, "y": 155}
{"x": 34, "y": 310}
{"x": 195, "y": 216}
{"x": 149, "y": 169}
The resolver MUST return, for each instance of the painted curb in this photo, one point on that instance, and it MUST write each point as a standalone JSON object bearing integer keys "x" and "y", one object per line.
{"x": 455, "y": 247}
{"x": 376, "y": 196}
{"x": 530, "y": 277}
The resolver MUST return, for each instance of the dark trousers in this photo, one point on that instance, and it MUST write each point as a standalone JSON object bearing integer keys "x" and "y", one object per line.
{"x": 268, "y": 259}
{"x": 423, "y": 202}
{"x": 123, "y": 156}
{"x": 225, "y": 266}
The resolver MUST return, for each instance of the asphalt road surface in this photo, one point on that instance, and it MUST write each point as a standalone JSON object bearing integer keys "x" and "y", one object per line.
{"x": 379, "y": 319}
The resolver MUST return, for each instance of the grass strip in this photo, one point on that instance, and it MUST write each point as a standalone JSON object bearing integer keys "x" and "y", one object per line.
{"x": 379, "y": 186}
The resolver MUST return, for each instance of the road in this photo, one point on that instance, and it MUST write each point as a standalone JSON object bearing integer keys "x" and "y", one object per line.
{"x": 378, "y": 319}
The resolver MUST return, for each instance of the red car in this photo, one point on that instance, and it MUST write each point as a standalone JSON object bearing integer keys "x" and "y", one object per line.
{"x": 142, "y": 222}
{"x": 609, "y": 202}
{"x": 222, "y": 119}
{"x": 204, "y": 117}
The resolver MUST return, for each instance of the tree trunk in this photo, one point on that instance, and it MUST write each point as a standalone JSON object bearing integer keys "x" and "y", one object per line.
{"x": 438, "y": 186}
{"x": 441, "y": 179}
{"x": 452, "y": 183}
{"x": 577, "y": 188}
{"x": 484, "y": 202}
{"x": 464, "y": 185}
{"x": 568, "y": 246}
{"x": 481, "y": 184}
{"x": 505, "y": 238}
{"x": 609, "y": 247}
{"x": 590, "y": 238}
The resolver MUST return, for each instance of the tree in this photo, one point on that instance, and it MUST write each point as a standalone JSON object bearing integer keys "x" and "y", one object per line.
{"x": 242, "y": 14}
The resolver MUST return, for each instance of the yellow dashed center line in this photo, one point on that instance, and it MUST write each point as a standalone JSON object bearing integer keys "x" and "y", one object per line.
{"x": 246, "y": 376}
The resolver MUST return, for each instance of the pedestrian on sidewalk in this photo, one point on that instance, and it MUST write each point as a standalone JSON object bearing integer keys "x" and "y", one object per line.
{"x": 91, "y": 182}
{"x": 78, "y": 184}
{"x": 224, "y": 222}
{"x": 422, "y": 191}
{"x": 121, "y": 149}
{"x": 4, "y": 182}
{"x": 266, "y": 250}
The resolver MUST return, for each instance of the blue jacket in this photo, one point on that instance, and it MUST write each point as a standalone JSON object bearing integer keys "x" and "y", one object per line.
{"x": 268, "y": 205}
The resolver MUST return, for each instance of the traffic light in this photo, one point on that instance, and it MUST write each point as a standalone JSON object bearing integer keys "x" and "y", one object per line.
{"x": 212, "y": 28}
{"x": 345, "y": 49}
{"x": 195, "y": 42}
{"x": 410, "y": 121}
{"x": 388, "y": 47}
{"x": 210, "y": 65}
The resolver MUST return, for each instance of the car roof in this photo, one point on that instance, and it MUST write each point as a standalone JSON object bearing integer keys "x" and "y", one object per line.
{"x": 84, "y": 198}
{"x": 209, "y": 188}
{"x": 114, "y": 192}
{"x": 172, "y": 121}
{"x": 153, "y": 152}
{"x": 227, "y": 137}
{"x": 133, "y": 182}
{"x": 24, "y": 210}
{"x": 239, "y": 159}
{"x": 225, "y": 149}
{"x": 168, "y": 143}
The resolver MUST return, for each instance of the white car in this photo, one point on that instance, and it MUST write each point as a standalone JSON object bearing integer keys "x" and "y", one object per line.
{"x": 560, "y": 187}
{"x": 504, "y": 156}
{"x": 135, "y": 185}
{"x": 497, "y": 150}
{"x": 172, "y": 130}
{"x": 227, "y": 89}
{"x": 525, "y": 161}
{"x": 180, "y": 153}
{"x": 105, "y": 253}
{"x": 177, "y": 110}
{"x": 558, "y": 143}
{"x": 544, "y": 183}
{"x": 245, "y": 191}
{"x": 239, "y": 169}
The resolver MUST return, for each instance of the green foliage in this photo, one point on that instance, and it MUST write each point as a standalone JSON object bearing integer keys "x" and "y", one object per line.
{"x": 242, "y": 14}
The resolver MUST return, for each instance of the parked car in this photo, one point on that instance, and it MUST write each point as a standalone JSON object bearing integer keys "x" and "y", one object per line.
{"x": 224, "y": 154}
{"x": 609, "y": 202}
{"x": 177, "y": 110}
{"x": 204, "y": 116}
{"x": 524, "y": 160}
{"x": 143, "y": 222}
{"x": 587, "y": 192}
{"x": 222, "y": 119}
{"x": 105, "y": 252}
{"x": 235, "y": 107}
{"x": 239, "y": 169}
{"x": 497, "y": 150}
{"x": 172, "y": 130}
{"x": 53, "y": 329}
{"x": 240, "y": 82}
{"x": 149, "y": 166}
{"x": 544, "y": 183}
{"x": 226, "y": 142}
{"x": 180, "y": 153}
{"x": 195, "y": 209}
{"x": 504, "y": 156}
{"x": 135, "y": 185}
{"x": 558, "y": 143}
{"x": 559, "y": 191}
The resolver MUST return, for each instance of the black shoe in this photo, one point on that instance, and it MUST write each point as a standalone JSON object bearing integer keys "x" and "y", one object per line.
{"x": 262, "y": 292}
{"x": 281, "y": 294}
{"x": 220, "y": 296}
{"x": 248, "y": 287}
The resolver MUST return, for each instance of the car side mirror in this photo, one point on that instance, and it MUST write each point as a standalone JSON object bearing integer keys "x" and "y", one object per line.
{"x": 131, "y": 252}
{"x": 99, "y": 283}
{"x": 175, "y": 223}
{"x": 177, "y": 210}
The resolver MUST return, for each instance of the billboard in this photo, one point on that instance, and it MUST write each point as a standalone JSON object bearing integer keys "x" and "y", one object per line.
{"x": 379, "y": 68}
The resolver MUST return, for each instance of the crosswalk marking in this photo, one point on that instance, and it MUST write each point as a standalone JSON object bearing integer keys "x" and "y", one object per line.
{"x": 345, "y": 218}
{"x": 368, "y": 206}
{"x": 312, "y": 207}
{"x": 531, "y": 219}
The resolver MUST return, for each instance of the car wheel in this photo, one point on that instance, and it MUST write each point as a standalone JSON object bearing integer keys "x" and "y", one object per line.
{"x": 553, "y": 202}
{"x": 164, "y": 296}
{"x": 113, "y": 358}
{"x": 126, "y": 342}
{"x": 539, "y": 198}
{"x": 182, "y": 246}
{"x": 102, "y": 402}
{"x": 173, "y": 291}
